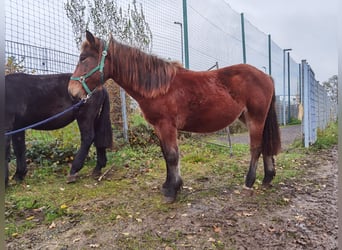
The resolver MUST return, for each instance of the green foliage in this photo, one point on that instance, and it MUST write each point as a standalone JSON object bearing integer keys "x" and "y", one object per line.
{"x": 327, "y": 138}
{"x": 294, "y": 121}
{"x": 14, "y": 66}
{"x": 137, "y": 120}
{"x": 131, "y": 187}
{"x": 331, "y": 87}
{"x": 57, "y": 146}
{"x": 142, "y": 135}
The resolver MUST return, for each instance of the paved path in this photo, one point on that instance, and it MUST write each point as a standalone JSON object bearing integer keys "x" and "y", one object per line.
{"x": 288, "y": 135}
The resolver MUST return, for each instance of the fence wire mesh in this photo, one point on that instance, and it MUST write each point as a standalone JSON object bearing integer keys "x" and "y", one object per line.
{"x": 39, "y": 36}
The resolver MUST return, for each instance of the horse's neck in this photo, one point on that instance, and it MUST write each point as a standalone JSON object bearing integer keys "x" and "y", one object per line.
{"x": 130, "y": 91}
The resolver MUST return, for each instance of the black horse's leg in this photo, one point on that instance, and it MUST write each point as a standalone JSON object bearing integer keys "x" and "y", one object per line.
{"x": 251, "y": 175}
{"x": 19, "y": 149}
{"x": 8, "y": 158}
{"x": 269, "y": 170}
{"x": 87, "y": 137}
{"x": 168, "y": 142}
{"x": 101, "y": 161}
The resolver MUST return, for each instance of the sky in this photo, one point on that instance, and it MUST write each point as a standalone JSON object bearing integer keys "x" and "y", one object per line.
{"x": 308, "y": 27}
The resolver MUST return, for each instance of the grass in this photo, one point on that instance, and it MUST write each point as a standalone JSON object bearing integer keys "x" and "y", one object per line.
{"x": 328, "y": 137}
{"x": 134, "y": 184}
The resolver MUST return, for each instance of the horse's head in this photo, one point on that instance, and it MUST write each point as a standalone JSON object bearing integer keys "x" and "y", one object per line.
{"x": 91, "y": 70}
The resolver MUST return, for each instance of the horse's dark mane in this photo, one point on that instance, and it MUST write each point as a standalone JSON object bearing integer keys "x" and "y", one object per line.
{"x": 147, "y": 74}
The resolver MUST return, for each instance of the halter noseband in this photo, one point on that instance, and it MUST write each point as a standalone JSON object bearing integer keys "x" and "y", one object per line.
{"x": 99, "y": 67}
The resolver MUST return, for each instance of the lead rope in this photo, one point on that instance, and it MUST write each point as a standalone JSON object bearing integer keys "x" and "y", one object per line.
{"x": 84, "y": 100}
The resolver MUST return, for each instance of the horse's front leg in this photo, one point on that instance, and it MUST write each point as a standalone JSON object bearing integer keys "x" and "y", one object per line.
{"x": 87, "y": 137}
{"x": 168, "y": 141}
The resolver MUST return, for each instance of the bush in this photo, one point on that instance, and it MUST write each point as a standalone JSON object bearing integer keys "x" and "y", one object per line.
{"x": 56, "y": 146}
{"x": 142, "y": 136}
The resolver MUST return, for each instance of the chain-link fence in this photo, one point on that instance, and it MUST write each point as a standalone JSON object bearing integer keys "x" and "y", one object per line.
{"x": 39, "y": 36}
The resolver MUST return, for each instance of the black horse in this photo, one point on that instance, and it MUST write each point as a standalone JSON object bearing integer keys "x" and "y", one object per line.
{"x": 33, "y": 98}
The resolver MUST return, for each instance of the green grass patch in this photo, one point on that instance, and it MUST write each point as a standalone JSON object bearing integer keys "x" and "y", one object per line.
{"x": 328, "y": 137}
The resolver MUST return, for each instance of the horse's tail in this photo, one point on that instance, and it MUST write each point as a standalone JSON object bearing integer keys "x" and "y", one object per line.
{"x": 271, "y": 144}
{"x": 103, "y": 127}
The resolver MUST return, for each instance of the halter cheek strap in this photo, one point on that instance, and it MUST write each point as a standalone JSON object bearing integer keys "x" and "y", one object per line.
{"x": 99, "y": 67}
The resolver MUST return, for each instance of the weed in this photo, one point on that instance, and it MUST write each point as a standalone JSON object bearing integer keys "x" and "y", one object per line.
{"x": 328, "y": 137}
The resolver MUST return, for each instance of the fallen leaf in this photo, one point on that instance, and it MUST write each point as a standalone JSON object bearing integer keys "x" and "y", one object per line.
{"x": 30, "y": 218}
{"x": 299, "y": 217}
{"x": 211, "y": 239}
{"x": 247, "y": 214}
{"x": 53, "y": 225}
{"x": 286, "y": 200}
{"x": 138, "y": 220}
{"x": 94, "y": 245}
{"x": 64, "y": 206}
{"x": 217, "y": 229}
{"x": 76, "y": 240}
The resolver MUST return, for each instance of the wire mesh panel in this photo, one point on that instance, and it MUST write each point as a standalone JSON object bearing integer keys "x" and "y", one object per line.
{"x": 214, "y": 36}
{"x": 167, "y": 35}
{"x": 256, "y": 47}
{"x": 40, "y": 39}
{"x": 38, "y": 34}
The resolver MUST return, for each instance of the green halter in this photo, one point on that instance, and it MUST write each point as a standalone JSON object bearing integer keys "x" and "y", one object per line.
{"x": 99, "y": 67}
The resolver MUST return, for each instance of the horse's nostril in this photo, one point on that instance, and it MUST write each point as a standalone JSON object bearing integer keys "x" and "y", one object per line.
{"x": 74, "y": 98}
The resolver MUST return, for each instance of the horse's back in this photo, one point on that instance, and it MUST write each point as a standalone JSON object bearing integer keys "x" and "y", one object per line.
{"x": 33, "y": 98}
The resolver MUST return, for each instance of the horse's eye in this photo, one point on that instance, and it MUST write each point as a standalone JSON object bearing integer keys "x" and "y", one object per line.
{"x": 82, "y": 58}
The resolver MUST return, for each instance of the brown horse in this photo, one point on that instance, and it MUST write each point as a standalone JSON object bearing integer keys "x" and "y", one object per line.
{"x": 173, "y": 98}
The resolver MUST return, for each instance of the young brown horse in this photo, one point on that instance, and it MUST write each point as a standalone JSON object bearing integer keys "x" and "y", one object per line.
{"x": 173, "y": 98}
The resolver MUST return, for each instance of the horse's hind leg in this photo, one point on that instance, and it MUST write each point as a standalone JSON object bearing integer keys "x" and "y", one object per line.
{"x": 168, "y": 142}
{"x": 8, "y": 159}
{"x": 269, "y": 170}
{"x": 19, "y": 149}
{"x": 101, "y": 161}
{"x": 251, "y": 175}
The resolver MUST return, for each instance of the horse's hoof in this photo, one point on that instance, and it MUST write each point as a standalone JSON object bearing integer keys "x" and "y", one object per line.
{"x": 169, "y": 200}
{"x": 247, "y": 191}
{"x": 96, "y": 174}
{"x": 267, "y": 185}
{"x": 71, "y": 178}
{"x": 18, "y": 179}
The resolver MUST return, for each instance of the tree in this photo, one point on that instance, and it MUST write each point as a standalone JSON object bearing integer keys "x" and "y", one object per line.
{"x": 15, "y": 66}
{"x": 331, "y": 87}
{"x": 105, "y": 17}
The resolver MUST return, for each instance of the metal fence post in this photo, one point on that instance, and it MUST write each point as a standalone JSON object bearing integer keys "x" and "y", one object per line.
{"x": 289, "y": 88}
{"x": 269, "y": 55}
{"x": 243, "y": 38}
{"x": 185, "y": 29}
{"x": 124, "y": 114}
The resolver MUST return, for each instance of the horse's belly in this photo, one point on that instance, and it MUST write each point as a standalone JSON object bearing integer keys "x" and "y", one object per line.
{"x": 208, "y": 122}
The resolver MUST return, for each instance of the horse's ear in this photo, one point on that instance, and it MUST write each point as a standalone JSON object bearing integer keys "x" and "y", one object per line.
{"x": 90, "y": 38}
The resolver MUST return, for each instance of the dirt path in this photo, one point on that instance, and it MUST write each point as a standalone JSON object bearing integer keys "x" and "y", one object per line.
{"x": 298, "y": 214}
